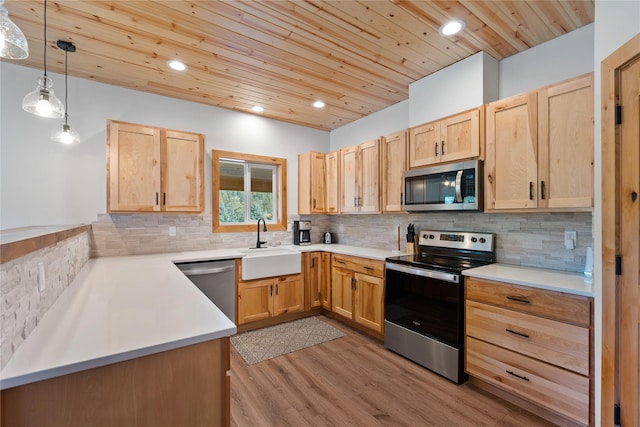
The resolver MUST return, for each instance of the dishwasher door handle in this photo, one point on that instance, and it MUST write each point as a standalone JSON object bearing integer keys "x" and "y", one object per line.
{"x": 207, "y": 270}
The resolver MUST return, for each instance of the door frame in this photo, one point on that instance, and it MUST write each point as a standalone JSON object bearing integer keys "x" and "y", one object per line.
{"x": 610, "y": 210}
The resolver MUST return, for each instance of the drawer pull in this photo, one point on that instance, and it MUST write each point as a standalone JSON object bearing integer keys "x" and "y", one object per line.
{"x": 338, "y": 261}
{"x": 368, "y": 268}
{"x": 518, "y": 299}
{"x": 517, "y": 376}
{"x": 511, "y": 331}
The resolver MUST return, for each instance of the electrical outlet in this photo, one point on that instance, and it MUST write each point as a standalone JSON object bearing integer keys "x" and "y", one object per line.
{"x": 289, "y": 226}
{"x": 172, "y": 230}
{"x": 40, "y": 278}
{"x": 570, "y": 238}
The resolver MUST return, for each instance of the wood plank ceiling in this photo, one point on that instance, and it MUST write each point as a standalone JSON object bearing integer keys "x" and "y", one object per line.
{"x": 357, "y": 56}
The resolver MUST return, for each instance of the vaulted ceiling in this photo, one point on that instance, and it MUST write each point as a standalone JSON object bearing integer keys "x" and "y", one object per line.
{"x": 357, "y": 56}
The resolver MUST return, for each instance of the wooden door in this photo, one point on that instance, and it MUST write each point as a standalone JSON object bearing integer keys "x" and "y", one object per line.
{"x": 325, "y": 283}
{"x": 630, "y": 243}
{"x": 565, "y": 144}
{"x": 182, "y": 171}
{"x": 313, "y": 279}
{"x": 460, "y": 136}
{"x": 133, "y": 165}
{"x": 332, "y": 182}
{"x": 423, "y": 150}
{"x": 369, "y": 173}
{"x": 348, "y": 179}
{"x": 342, "y": 292}
{"x": 511, "y": 166}
{"x": 255, "y": 300}
{"x": 369, "y": 301}
{"x": 318, "y": 180}
{"x": 393, "y": 165}
{"x": 288, "y": 294}
{"x": 620, "y": 235}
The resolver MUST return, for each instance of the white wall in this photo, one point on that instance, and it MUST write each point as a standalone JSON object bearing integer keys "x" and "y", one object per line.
{"x": 461, "y": 86}
{"x": 44, "y": 183}
{"x": 383, "y": 122}
{"x": 558, "y": 59}
{"x": 615, "y": 23}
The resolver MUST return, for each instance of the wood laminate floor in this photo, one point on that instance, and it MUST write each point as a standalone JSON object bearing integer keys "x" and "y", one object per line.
{"x": 355, "y": 381}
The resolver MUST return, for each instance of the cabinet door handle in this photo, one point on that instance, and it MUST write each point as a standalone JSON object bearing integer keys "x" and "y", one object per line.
{"x": 401, "y": 200}
{"x": 517, "y": 376}
{"x": 442, "y": 148}
{"x": 518, "y": 299}
{"x": 511, "y": 331}
{"x": 156, "y": 198}
{"x": 313, "y": 262}
{"x": 530, "y": 190}
{"x": 435, "y": 151}
{"x": 314, "y": 203}
{"x": 270, "y": 290}
{"x": 542, "y": 190}
{"x": 164, "y": 198}
{"x": 276, "y": 289}
{"x": 490, "y": 179}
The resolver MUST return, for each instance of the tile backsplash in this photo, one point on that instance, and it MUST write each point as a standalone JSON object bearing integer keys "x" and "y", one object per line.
{"x": 23, "y": 305}
{"x": 535, "y": 239}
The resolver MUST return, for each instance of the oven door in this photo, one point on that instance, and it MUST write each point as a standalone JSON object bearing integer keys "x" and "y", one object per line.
{"x": 427, "y": 302}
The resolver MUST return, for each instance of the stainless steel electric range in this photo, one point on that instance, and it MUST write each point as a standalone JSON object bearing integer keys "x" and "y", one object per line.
{"x": 424, "y": 299}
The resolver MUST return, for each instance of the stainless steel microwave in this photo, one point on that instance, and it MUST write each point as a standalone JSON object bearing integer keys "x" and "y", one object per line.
{"x": 451, "y": 187}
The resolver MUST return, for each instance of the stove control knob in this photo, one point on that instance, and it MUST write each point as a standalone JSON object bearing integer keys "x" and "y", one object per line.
{"x": 431, "y": 236}
{"x": 474, "y": 239}
{"x": 482, "y": 240}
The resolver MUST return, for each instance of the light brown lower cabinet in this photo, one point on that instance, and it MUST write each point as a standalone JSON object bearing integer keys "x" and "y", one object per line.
{"x": 264, "y": 298}
{"x": 187, "y": 386}
{"x": 357, "y": 290}
{"x": 521, "y": 340}
{"x": 317, "y": 280}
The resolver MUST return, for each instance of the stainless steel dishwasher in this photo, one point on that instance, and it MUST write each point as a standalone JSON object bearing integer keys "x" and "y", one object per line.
{"x": 217, "y": 280}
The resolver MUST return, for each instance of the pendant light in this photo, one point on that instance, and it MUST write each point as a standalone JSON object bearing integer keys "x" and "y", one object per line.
{"x": 63, "y": 133}
{"x": 13, "y": 43}
{"x": 42, "y": 102}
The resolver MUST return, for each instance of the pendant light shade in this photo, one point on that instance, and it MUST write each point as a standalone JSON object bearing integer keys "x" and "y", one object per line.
{"x": 63, "y": 133}
{"x": 42, "y": 102}
{"x": 13, "y": 43}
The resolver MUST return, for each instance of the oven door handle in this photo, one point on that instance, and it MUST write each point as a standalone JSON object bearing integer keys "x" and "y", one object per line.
{"x": 439, "y": 275}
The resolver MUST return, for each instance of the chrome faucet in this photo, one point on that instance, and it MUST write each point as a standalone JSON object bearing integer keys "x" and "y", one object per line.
{"x": 264, "y": 224}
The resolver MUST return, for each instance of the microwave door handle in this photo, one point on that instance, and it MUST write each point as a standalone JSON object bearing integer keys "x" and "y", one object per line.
{"x": 458, "y": 186}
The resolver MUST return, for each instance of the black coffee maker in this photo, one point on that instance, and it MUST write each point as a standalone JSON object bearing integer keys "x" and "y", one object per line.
{"x": 301, "y": 232}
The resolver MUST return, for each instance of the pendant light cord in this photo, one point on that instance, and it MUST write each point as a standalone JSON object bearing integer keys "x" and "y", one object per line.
{"x": 66, "y": 84}
{"x": 45, "y": 38}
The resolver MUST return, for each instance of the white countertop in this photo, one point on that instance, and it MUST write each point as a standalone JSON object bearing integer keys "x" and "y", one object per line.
{"x": 560, "y": 281}
{"x": 120, "y": 308}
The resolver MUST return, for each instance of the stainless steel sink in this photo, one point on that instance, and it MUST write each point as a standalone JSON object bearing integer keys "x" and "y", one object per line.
{"x": 270, "y": 262}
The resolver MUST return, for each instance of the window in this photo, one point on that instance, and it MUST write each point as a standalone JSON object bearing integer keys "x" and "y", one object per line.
{"x": 247, "y": 187}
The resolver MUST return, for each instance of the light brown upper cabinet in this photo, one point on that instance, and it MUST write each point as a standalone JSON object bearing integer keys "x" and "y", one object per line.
{"x": 311, "y": 183}
{"x": 452, "y": 138}
{"x": 154, "y": 170}
{"x": 394, "y": 163}
{"x": 318, "y": 183}
{"x": 540, "y": 149}
{"x": 332, "y": 183}
{"x": 360, "y": 178}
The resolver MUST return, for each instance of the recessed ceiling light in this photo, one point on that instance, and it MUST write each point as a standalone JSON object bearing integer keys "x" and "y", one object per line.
{"x": 319, "y": 104}
{"x": 452, "y": 27}
{"x": 257, "y": 109}
{"x": 174, "y": 64}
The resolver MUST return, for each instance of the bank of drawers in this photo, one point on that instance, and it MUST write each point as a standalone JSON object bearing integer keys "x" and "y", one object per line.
{"x": 533, "y": 343}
